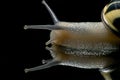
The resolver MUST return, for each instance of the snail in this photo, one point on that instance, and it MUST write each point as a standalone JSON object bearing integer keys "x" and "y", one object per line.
{"x": 90, "y": 45}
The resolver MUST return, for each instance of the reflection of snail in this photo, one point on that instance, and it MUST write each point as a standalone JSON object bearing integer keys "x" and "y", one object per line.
{"x": 85, "y": 44}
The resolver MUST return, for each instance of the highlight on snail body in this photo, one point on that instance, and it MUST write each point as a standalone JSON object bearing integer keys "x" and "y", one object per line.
{"x": 88, "y": 45}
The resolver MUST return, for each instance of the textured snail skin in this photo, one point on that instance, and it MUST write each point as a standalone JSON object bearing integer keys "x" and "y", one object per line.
{"x": 83, "y": 45}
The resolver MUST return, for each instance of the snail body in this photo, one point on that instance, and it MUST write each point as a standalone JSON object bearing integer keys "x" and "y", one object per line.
{"x": 83, "y": 44}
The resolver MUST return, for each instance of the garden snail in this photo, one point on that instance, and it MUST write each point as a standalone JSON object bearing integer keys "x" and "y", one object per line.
{"x": 85, "y": 44}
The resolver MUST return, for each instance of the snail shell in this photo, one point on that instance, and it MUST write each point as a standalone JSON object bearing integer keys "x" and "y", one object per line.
{"x": 111, "y": 16}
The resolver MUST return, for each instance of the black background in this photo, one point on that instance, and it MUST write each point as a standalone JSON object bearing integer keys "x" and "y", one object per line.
{"x": 26, "y": 48}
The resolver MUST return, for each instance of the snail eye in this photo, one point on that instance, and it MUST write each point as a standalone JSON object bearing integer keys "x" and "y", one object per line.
{"x": 111, "y": 16}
